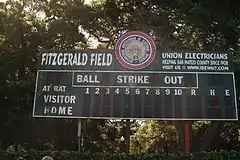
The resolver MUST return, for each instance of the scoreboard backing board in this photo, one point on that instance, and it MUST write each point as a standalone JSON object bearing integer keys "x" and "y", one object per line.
{"x": 135, "y": 81}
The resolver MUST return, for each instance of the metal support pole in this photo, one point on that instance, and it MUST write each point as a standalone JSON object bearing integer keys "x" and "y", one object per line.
{"x": 79, "y": 134}
{"x": 83, "y": 134}
{"x": 187, "y": 136}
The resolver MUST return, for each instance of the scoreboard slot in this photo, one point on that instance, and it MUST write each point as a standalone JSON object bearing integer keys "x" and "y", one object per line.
{"x": 86, "y": 105}
{"x": 107, "y": 104}
{"x": 158, "y": 108}
{"x": 136, "y": 106}
{"x": 228, "y": 102}
{"x": 214, "y": 113}
{"x": 148, "y": 101}
{"x": 213, "y": 102}
{"x": 127, "y": 106}
{"x": 117, "y": 104}
{"x": 178, "y": 106}
{"x": 168, "y": 107}
{"x": 96, "y": 106}
{"x": 193, "y": 102}
{"x": 148, "y": 113}
{"x": 194, "y": 107}
{"x": 214, "y": 109}
{"x": 107, "y": 101}
{"x": 157, "y": 101}
{"x": 148, "y": 106}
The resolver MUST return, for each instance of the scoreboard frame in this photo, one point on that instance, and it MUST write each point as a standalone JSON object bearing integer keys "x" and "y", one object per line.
{"x": 136, "y": 87}
{"x": 54, "y": 80}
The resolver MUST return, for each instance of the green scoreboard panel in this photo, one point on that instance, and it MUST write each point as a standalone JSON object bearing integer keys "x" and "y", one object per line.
{"x": 174, "y": 86}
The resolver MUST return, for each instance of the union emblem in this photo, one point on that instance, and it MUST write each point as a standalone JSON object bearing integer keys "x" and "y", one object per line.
{"x": 135, "y": 50}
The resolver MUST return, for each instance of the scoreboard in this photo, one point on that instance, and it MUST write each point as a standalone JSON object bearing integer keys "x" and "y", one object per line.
{"x": 161, "y": 92}
{"x": 135, "y": 84}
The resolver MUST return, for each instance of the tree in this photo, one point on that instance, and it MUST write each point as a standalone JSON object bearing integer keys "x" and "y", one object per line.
{"x": 154, "y": 136}
{"x": 23, "y": 34}
{"x": 28, "y": 27}
{"x": 178, "y": 25}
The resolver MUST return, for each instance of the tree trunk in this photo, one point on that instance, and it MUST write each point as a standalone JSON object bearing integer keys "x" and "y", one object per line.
{"x": 180, "y": 134}
{"x": 211, "y": 132}
{"x": 180, "y": 126}
{"x": 127, "y": 136}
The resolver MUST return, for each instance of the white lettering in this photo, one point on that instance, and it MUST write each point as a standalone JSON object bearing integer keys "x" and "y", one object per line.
{"x": 64, "y": 59}
{"x": 173, "y": 79}
{"x": 101, "y": 59}
{"x": 166, "y": 61}
{"x": 46, "y": 88}
{"x": 227, "y": 92}
{"x": 59, "y": 59}
{"x": 172, "y": 55}
{"x": 54, "y": 110}
{"x": 167, "y": 92}
{"x": 168, "y": 67}
{"x": 62, "y": 110}
{"x": 213, "y": 56}
{"x": 109, "y": 59}
{"x": 212, "y": 92}
{"x": 92, "y": 59}
{"x": 177, "y": 91}
{"x": 193, "y": 92}
{"x": 54, "y": 62}
{"x": 59, "y": 99}
{"x": 119, "y": 79}
{"x": 203, "y": 62}
{"x": 58, "y": 110}
{"x": 133, "y": 79}
{"x": 87, "y": 79}
{"x": 59, "y": 88}
{"x": 69, "y": 111}
{"x": 43, "y": 58}
{"x": 46, "y": 110}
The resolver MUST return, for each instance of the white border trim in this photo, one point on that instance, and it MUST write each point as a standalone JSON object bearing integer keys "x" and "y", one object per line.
{"x": 133, "y": 71}
{"x": 184, "y": 119}
{"x": 87, "y": 86}
{"x": 197, "y": 79}
{"x": 190, "y": 119}
{"x": 143, "y": 86}
{"x": 35, "y": 94}
{"x": 235, "y": 95}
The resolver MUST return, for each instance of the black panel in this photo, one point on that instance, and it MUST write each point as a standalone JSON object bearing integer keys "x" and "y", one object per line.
{"x": 96, "y": 107}
{"x": 138, "y": 100}
{"x": 86, "y": 105}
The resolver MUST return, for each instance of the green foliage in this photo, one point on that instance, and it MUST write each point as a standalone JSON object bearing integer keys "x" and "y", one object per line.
{"x": 154, "y": 136}
{"x": 56, "y": 155}
{"x": 23, "y": 33}
{"x": 184, "y": 24}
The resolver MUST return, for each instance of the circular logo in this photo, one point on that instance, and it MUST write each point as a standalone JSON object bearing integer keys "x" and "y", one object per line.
{"x": 135, "y": 50}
